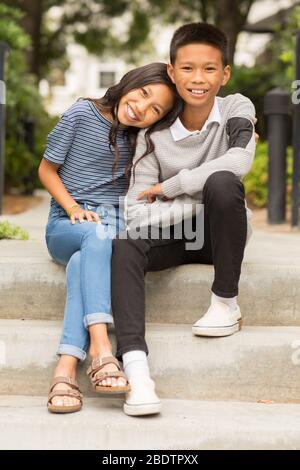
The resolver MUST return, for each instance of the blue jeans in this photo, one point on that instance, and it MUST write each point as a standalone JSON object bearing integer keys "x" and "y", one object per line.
{"x": 85, "y": 249}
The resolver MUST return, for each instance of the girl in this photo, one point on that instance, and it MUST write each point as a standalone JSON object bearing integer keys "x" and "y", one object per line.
{"x": 85, "y": 168}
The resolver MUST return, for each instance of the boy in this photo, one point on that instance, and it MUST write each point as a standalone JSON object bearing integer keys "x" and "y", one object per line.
{"x": 201, "y": 157}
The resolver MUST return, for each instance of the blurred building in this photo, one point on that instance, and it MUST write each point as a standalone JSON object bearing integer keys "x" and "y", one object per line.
{"x": 264, "y": 17}
{"x": 87, "y": 76}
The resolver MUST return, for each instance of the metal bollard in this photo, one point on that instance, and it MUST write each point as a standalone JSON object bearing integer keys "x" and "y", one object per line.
{"x": 3, "y": 49}
{"x": 29, "y": 180}
{"x": 276, "y": 108}
{"x": 296, "y": 144}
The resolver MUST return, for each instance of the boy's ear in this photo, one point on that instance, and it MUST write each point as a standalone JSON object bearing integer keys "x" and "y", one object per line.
{"x": 226, "y": 75}
{"x": 170, "y": 71}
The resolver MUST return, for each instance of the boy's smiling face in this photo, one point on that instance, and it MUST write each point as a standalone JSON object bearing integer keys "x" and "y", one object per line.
{"x": 198, "y": 73}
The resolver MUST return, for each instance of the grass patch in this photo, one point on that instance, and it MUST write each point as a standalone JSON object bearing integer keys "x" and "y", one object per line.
{"x": 12, "y": 232}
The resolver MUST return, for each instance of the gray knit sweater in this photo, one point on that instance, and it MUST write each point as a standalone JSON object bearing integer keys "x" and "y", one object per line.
{"x": 183, "y": 166}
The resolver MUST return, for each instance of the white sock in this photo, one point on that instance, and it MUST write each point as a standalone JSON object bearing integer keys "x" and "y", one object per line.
{"x": 231, "y": 302}
{"x": 135, "y": 364}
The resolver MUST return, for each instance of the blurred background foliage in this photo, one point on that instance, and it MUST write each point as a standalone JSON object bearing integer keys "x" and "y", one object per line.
{"x": 22, "y": 101}
{"x": 256, "y": 182}
{"x": 38, "y": 46}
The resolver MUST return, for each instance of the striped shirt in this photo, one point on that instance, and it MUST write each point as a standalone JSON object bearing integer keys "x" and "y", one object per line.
{"x": 80, "y": 144}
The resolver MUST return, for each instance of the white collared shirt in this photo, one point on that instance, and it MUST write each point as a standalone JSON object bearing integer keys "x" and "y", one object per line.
{"x": 179, "y": 132}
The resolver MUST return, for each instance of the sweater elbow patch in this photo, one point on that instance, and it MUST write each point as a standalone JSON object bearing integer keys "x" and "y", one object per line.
{"x": 240, "y": 132}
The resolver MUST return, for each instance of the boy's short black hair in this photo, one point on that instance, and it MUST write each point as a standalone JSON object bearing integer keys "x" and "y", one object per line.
{"x": 202, "y": 33}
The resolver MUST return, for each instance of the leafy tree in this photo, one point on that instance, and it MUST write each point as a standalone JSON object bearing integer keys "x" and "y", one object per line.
{"x": 282, "y": 51}
{"x": 229, "y": 15}
{"x": 93, "y": 23}
{"x": 23, "y": 102}
{"x": 88, "y": 21}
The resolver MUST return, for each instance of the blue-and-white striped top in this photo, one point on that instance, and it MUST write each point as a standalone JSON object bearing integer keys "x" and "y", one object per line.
{"x": 80, "y": 144}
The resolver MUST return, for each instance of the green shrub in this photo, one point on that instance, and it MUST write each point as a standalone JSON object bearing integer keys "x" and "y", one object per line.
{"x": 256, "y": 182}
{"x": 22, "y": 102}
{"x": 253, "y": 82}
{"x": 10, "y": 231}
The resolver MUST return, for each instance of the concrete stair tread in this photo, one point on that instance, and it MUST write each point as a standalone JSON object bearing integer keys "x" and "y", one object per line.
{"x": 184, "y": 424}
{"x": 54, "y": 326}
{"x": 264, "y": 335}
{"x": 269, "y": 285}
{"x": 278, "y": 250}
{"x": 269, "y": 293}
{"x": 257, "y": 363}
{"x": 264, "y": 248}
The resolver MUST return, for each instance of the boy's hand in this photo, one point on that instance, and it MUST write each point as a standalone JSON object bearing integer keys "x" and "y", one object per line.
{"x": 151, "y": 193}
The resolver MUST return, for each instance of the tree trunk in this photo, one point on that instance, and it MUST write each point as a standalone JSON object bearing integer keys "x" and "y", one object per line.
{"x": 231, "y": 17}
{"x": 32, "y": 24}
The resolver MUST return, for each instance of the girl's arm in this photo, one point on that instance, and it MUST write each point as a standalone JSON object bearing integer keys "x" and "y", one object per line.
{"x": 59, "y": 142}
{"x": 52, "y": 182}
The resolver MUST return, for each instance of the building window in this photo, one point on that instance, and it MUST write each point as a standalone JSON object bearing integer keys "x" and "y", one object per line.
{"x": 107, "y": 79}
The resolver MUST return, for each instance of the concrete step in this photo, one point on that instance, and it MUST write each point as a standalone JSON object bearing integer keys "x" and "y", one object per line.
{"x": 259, "y": 363}
{"x": 192, "y": 425}
{"x": 33, "y": 287}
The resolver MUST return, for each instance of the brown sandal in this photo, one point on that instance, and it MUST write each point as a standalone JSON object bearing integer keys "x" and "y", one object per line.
{"x": 96, "y": 376}
{"x": 73, "y": 393}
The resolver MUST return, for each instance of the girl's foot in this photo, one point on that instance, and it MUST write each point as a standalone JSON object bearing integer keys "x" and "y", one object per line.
{"x": 66, "y": 367}
{"x": 109, "y": 381}
{"x": 100, "y": 347}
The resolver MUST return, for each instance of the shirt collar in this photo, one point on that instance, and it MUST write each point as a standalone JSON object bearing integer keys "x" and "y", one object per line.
{"x": 179, "y": 132}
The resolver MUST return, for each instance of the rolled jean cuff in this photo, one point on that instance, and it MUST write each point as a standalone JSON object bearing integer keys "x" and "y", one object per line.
{"x": 126, "y": 349}
{"x": 226, "y": 295}
{"x": 95, "y": 318}
{"x": 71, "y": 350}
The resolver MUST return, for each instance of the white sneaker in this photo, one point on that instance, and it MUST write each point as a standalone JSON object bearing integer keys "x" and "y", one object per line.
{"x": 219, "y": 320}
{"x": 142, "y": 399}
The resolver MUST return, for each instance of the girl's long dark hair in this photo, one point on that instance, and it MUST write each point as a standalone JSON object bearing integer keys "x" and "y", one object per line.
{"x": 136, "y": 78}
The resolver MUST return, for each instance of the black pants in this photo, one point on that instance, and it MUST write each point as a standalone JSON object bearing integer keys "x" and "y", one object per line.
{"x": 225, "y": 231}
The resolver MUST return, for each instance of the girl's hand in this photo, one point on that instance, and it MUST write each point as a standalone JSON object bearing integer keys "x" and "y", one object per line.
{"x": 82, "y": 214}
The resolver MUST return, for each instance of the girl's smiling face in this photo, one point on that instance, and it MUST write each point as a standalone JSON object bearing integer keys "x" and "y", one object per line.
{"x": 144, "y": 106}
